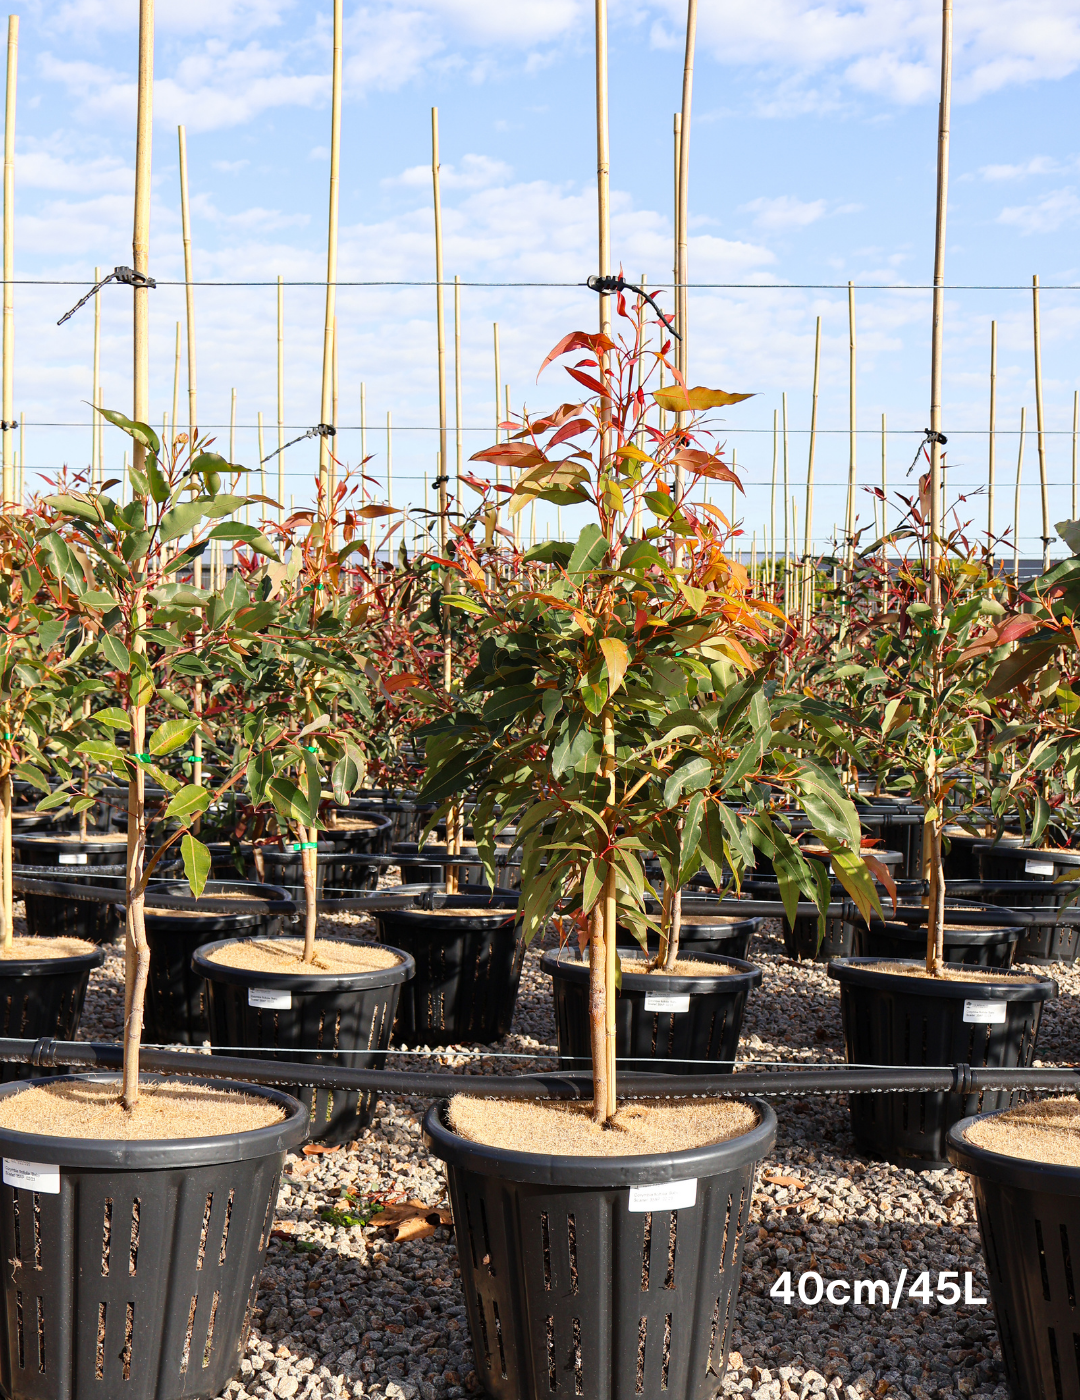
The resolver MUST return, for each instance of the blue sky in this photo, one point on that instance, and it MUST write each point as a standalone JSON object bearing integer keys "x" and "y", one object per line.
{"x": 812, "y": 161}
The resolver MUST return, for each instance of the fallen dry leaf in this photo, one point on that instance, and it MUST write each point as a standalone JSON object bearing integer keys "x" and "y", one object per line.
{"x": 412, "y": 1220}
{"x": 415, "y": 1228}
{"x": 784, "y": 1181}
{"x": 319, "y": 1149}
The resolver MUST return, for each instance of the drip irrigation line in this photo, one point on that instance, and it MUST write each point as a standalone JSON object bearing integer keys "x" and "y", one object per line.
{"x": 320, "y": 430}
{"x": 961, "y": 1079}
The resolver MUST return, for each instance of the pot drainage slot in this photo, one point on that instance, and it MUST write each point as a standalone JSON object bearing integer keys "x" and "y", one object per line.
{"x": 133, "y": 1248}
{"x": 669, "y": 1280}
{"x": 205, "y": 1229}
{"x": 106, "y": 1241}
{"x": 1042, "y": 1260}
{"x": 571, "y": 1240}
{"x": 225, "y": 1227}
{"x": 642, "y": 1331}
{"x": 546, "y": 1240}
{"x": 646, "y": 1248}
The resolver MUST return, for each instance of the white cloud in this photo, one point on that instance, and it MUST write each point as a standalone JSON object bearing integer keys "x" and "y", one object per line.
{"x": 784, "y": 212}
{"x": 474, "y": 173}
{"x": 1056, "y": 210}
{"x": 1037, "y": 165}
{"x": 230, "y": 167}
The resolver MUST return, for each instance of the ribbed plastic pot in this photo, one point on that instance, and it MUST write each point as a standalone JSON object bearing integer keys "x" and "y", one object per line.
{"x": 42, "y": 996}
{"x": 471, "y": 869}
{"x": 48, "y": 915}
{"x": 601, "y": 1278}
{"x": 663, "y": 1024}
{"x": 308, "y": 1017}
{"x": 974, "y": 946}
{"x": 960, "y": 855}
{"x": 1029, "y": 1221}
{"x": 468, "y": 969}
{"x": 901, "y": 830}
{"x": 1048, "y": 937}
{"x": 286, "y": 867}
{"x": 890, "y": 1019}
{"x": 134, "y": 1272}
{"x": 175, "y": 1011}
{"x": 1003, "y": 862}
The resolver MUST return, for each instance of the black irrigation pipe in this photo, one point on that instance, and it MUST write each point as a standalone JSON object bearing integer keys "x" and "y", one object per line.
{"x": 963, "y": 1079}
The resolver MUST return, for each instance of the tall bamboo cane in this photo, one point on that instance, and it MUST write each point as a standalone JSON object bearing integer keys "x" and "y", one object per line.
{"x": 331, "y": 302}
{"x": 992, "y": 444}
{"x": 8, "y": 413}
{"x": 280, "y": 398}
{"x": 808, "y": 518}
{"x": 1039, "y": 422}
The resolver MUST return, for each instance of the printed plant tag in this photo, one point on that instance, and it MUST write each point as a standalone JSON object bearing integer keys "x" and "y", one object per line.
{"x": 32, "y": 1176}
{"x": 985, "y": 1013}
{"x": 73, "y": 858}
{"x": 267, "y": 1000}
{"x": 1038, "y": 867}
{"x": 658, "y": 1001}
{"x": 664, "y": 1195}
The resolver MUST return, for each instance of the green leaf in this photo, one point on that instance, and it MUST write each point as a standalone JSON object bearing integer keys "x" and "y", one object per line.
{"x": 344, "y": 776}
{"x": 34, "y": 776}
{"x": 159, "y": 487}
{"x": 54, "y": 800}
{"x": 590, "y": 551}
{"x": 289, "y": 801}
{"x": 187, "y": 802}
{"x": 72, "y": 505}
{"x": 245, "y": 534}
{"x": 1019, "y": 666}
{"x": 141, "y": 432}
{"x": 112, "y": 717}
{"x": 593, "y": 884}
{"x": 196, "y": 863}
{"x": 462, "y": 603}
{"x": 314, "y": 783}
{"x": 180, "y": 520}
{"x": 690, "y": 777}
{"x": 171, "y": 735}
{"x": 852, "y": 873}
{"x": 259, "y": 772}
{"x": 116, "y": 652}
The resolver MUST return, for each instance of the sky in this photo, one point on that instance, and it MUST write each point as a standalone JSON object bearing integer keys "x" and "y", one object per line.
{"x": 813, "y": 156}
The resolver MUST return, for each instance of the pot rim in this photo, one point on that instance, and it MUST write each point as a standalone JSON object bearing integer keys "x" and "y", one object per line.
{"x": 1014, "y": 985}
{"x": 402, "y": 971}
{"x": 1018, "y": 1172}
{"x": 748, "y": 975}
{"x": 540, "y": 1168}
{"x": 41, "y": 967}
{"x": 157, "y": 1154}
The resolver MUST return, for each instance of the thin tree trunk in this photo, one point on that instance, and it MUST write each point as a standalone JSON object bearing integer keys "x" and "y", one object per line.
{"x": 609, "y": 985}
{"x": 935, "y": 937}
{"x": 598, "y": 1012}
{"x": 671, "y": 952}
{"x": 137, "y": 950}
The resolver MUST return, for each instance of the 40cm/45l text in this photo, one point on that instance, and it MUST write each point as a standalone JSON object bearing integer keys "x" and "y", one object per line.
{"x": 812, "y": 1289}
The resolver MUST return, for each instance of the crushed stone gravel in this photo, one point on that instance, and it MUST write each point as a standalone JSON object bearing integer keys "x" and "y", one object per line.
{"x": 345, "y": 1311}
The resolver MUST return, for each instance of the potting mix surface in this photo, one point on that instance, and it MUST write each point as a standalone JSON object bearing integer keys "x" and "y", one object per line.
{"x": 287, "y": 955}
{"x": 684, "y": 967}
{"x": 952, "y": 973}
{"x": 377, "y": 1310}
{"x": 1046, "y": 1130}
{"x": 641, "y": 1127}
{"x": 74, "y": 1109}
{"x": 35, "y": 948}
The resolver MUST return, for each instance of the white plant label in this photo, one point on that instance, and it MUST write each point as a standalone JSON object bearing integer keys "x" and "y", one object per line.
{"x": 657, "y": 1001}
{"x": 269, "y": 1001}
{"x": 74, "y": 858}
{"x": 32, "y": 1176}
{"x": 664, "y": 1195}
{"x": 985, "y": 1013}
{"x": 1038, "y": 867}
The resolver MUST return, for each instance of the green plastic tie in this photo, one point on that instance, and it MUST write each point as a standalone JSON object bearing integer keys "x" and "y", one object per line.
{"x": 309, "y": 748}
{"x": 9, "y": 736}
{"x": 145, "y": 757}
{"x": 304, "y": 846}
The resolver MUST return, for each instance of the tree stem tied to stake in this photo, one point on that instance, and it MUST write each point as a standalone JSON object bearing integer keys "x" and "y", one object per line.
{"x": 936, "y": 915}
{"x": 137, "y": 951}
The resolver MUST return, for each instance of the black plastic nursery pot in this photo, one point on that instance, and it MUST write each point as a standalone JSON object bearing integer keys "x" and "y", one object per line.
{"x": 1008, "y": 862}
{"x": 308, "y": 1017}
{"x": 285, "y": 866}
{"x": 960, "y": 852}
{"x": 468, "y": 968}
{"x": 43, "y": 996}
{"x": 1048, "y": 913}
{"x": 892, "y": 1019}
{"x": 977, "y": 936}
{"x": 601, "y": 1278}
{"x": 1029, "y": 1221}
{"x": 663, "y": 1023}
{"x": 470, "y": 867}
{"x": 48, "y": 915}
{"x": 175, "y": 1010}
{"x": 133, "y": 1266}
{"x": 703, "y": 930}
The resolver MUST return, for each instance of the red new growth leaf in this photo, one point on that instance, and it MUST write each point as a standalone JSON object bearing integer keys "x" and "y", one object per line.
{"x": 569, "y": 430}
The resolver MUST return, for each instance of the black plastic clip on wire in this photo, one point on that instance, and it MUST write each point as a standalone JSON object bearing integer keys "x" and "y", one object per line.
{"x": 125, "y": 275}
{"x": 326, "y": 430}
{"x": 620, "y": 284}
{"x": 8, "y": 425}
{"x": 929, "y": 437}
{"x": 439, "y": 481}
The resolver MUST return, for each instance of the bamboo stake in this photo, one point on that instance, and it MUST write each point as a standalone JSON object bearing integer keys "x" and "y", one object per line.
{"x": 459, "y": 421}
{"x": 787, "y": 541}
{"x": 95, "y": 396}
{"x": 440, "y": 330}
{"x": 850, "y": 519}
{"x": 1046, "y": 536}
{"x": 682, "y": 346}
{"x": 932, "y": 830}
{"x": 232, "y": 426}
{"x": 1016, "y": 501}
{"x": 176, "y": 384}
{"x": 498, "y": 413}
{"x": 797, "y": 580}
{"x": 772, "y": 501}
{"x": 8, "y": 412}
{"x": 137, "y": 951}
{"x": 992, "y": 447}
{"x": 884, "y": 519}
{"x": 280, "y": 397}
{"x": 808, "y": 518}
{"x": 331, "y": 273}
{"x": 22, "y": 459}
{"x": 1076, "y": 425}
{"x": 262, "y": 454}
{"x": 390, "y": 489}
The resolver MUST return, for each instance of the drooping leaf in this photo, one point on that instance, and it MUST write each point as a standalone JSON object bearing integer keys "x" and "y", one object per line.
{"x": 117, "y": 653}
{"x": 189, "y": 800}
{"x": 196, "y": 863}
{"x": 617, "y": 656}
{"x": 171, "y": 735}
{"x": 679, "y": 400}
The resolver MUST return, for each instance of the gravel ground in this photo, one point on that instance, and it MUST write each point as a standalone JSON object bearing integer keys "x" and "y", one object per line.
{"x": 345, "y": 1311}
